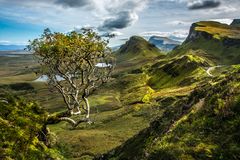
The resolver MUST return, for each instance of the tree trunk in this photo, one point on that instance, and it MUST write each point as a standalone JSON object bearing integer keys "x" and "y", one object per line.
{"x": 88, "y": 107}
{"x": 65, "y": 116}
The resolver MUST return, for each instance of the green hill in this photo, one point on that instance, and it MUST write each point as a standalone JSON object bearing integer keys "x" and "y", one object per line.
{"x": 218, "y": 42}
{"x": 181, "y": 71}
{"x": 137, "y": 48}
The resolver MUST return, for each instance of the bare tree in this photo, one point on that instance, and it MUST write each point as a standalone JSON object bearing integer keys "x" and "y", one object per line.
{"x": 75, "y": 64}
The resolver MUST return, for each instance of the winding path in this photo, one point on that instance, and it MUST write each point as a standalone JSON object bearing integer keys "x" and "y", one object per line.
{"x": 211, "y": 69}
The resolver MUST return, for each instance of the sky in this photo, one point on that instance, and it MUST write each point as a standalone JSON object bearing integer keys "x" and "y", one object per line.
{"x": 23, "y": 20}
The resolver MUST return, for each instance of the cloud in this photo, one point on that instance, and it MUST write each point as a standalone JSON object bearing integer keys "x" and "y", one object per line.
{"x": 179, "y": 23}
{"x": 111, "y": 34}
{"x": 121, "y": 13}
{"x": 203, "y": 4}
{"x": 178, "y": 35}
{"x": 73, "y": 3}
{"x": 4, "y": 42}
{"x": 226, "y": 21}
{"x": 119, "y": 21}
{"x": 111, "y": 15}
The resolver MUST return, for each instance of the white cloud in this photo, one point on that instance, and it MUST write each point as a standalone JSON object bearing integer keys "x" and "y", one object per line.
{"x": 179, "y": 23}
{"x": 177, "y": 34}
{"x": 4, "y": 42}
{"x": 226, "y": 21}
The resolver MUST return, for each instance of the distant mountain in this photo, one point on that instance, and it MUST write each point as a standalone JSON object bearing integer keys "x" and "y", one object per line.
{"x": 236, "y": 22}
{"x": 218, "y": 42}
{"x": 164, "y": 43}
{"x": 115, "y": 48}
{"x": 137, "y": 48}
{"x": 12, "y": 47}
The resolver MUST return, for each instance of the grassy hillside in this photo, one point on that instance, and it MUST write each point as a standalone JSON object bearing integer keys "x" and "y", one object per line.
{"x": 203, "y": 125}
{"x": 220, "y": 43}
{"x": 181, "y": 71}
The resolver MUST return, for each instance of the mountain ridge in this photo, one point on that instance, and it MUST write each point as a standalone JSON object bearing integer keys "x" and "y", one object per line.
{"x": 219, "y": 42}
{"x": 8, "y": 47}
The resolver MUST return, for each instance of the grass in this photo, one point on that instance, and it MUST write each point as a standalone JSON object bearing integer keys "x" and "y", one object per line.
{"x": 100, "y": 137}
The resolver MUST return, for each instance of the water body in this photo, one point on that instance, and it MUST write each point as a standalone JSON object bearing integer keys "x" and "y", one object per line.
{"x": 103, "y": 65}
{"x": 9, "y": 55}
{"x": 13, "y": 53}
{"x": 44, "y": 78}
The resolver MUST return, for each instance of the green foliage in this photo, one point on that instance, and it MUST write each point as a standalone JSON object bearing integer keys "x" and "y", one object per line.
{"x": 21, "y": 124}
{"x": 74, "y": 54}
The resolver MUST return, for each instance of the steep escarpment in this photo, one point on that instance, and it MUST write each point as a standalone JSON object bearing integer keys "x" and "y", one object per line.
{"x": 220, "y": 43}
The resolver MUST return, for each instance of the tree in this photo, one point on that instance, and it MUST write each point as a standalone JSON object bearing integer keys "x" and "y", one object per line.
{"x": 75, "y": 64}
